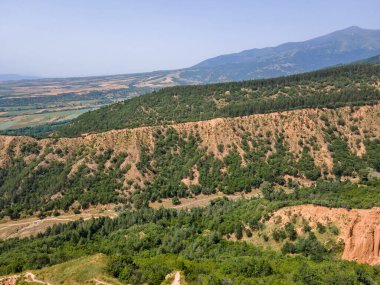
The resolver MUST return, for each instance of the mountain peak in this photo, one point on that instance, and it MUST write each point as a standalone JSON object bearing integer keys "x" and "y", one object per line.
{"x": 354, "y": 28}
{"x": 340, "y": 47}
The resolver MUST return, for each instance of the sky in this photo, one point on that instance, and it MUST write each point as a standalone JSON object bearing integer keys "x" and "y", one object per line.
{"x": 62, "y": 38}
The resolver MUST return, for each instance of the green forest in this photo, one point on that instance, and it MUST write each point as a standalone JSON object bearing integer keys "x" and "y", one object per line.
{"x": 144, "y": 245}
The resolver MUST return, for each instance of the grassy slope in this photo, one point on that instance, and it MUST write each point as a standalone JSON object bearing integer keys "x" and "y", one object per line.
{"x": 84, "y": 270}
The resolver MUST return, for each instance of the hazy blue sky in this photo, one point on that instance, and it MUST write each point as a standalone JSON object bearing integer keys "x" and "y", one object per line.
{"x": 91, "y": 37}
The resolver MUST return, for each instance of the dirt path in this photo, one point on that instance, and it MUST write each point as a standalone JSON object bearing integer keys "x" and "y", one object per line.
{"x": 99, "y": 282}
{"x": 23, "y": 229}
{"x": 201, "y": 200}
{"x": 32, "y": 226}
{"x": 210, "y": 198}
{"x": 29, "y": 224}
{"x": 30, "y": 277}
{"x": 177, "y": 278}
{"x": 194, "y": 202}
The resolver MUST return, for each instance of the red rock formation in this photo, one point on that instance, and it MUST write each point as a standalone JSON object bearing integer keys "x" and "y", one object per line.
{"x": 362, "y": 241}
{"x": 359, "y": 229}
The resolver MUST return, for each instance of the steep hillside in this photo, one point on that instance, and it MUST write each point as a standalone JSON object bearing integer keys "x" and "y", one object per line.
{"x": 357, "y": 230}
{"x": 227, "y": 155}
{"x": 335, "y": 87}
{"x": 352, "y": 233}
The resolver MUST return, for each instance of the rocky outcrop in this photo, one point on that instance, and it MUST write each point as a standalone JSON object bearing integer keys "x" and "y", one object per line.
{"x": 362, "y": 240}
{"x": 359, "y": 229}
{"x": 9, "y": 280}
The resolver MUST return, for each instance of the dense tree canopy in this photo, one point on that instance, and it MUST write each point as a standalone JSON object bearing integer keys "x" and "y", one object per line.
{"x": 147, "y": 244}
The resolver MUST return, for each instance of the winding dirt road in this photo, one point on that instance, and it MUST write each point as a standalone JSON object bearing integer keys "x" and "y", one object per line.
{"x": 32, "y": 226}
{"x": 30, "y": 277}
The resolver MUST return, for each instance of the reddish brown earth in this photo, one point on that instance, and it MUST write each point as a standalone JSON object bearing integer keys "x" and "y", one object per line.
{"x": 359, "y": 229}
{"x": 299, "y": 125}
{"x": 9, "y": 280}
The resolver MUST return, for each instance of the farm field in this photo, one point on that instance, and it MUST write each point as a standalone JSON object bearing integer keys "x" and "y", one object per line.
{"x": 30, "y": 103}
{"x": 32, "y": 118}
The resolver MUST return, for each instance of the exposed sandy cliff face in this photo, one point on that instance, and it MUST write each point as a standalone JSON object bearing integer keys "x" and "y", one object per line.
{"x": 299, "y": 125}
{"x": 362, "y": 239}
{"x": 359, "y": 229}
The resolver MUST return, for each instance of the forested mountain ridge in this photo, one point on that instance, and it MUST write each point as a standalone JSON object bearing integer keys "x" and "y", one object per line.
{"x": 147, "y": 164}
{"x": 340, "y": 47}
{"x": 334, "y": 87}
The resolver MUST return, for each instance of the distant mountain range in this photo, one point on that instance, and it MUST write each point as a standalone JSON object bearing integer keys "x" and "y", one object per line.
{"x": 340, "y": 47}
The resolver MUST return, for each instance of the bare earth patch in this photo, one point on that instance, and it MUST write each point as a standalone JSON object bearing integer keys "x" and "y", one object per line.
{"x": 9, "y": 280}
{"x": 32, "y": 226}
{"x": 201, "y": 200}
{"x": 359, "y": 228}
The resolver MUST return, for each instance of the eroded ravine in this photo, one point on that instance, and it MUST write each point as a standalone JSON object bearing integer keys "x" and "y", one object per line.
{"x": 359, "y": 228}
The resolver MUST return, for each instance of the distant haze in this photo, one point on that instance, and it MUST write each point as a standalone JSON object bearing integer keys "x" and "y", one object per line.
{"x": 93, "y": 37}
